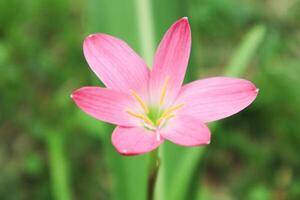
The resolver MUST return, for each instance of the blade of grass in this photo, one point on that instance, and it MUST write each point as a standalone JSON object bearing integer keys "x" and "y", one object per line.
{"x": 245, "y": 51}
{"x": 146, "y": 30}
{"x": 118, "y": 18}
{"x": 183, "y": 177}
{"x": 129, "y": 174}
{"x": 58, "y": 167}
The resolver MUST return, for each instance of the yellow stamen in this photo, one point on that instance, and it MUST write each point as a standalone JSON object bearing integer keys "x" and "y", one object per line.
{"x": 168, "y": 113}
{"x": 140, "y": 101}
{"x": 169, "y": 116}
{"x": 140, "y": 116}
{"x": 164, "y": 90}
{"x": 171, "y": 109}
{"x": 159, "y": 121}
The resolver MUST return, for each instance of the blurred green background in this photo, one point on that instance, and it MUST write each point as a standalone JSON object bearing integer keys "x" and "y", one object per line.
{"x": 49, "y": 149}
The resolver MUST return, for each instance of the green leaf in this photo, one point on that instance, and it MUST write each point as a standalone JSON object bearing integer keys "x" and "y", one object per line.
{"x": 245, "y": 51}
{"x": 177, "y": 172}
{"x": 58, "y": 166}
{"x": 185, "y": 169}
{"x": 119, "y": 18}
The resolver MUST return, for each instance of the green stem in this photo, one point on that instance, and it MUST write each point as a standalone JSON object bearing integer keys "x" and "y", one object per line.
{"x": 58, "y": 167}
{"x": 153, "y": 172}
{"x": 160, "y": 189}
{"x": 146, "y": 30}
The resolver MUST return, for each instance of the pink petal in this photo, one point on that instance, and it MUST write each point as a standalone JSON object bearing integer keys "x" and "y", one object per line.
{"x": 171, "y": 59}
{"x": 135, "y": 140}
{"x": 115, "y": 63}
{"x": 216, "y": 98}
{"x": 187, "y": 131}
{"x": 105, "y": 104}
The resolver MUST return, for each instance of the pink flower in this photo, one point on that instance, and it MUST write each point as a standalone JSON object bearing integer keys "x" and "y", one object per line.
{"x": 150, "y": 106}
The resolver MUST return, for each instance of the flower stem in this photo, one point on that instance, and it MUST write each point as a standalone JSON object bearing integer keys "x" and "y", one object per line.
{"x": 153, "y": 172}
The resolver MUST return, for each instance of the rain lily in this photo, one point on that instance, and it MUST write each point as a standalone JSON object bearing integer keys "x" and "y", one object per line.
{"x": 151, "y": 105}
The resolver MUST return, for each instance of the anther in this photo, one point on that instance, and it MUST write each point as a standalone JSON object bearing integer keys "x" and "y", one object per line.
{"x": 140, "y": 101}
{"x": 164, "y": 90}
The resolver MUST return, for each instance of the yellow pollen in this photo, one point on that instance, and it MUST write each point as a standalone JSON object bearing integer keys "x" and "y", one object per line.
{"x": 140, "y": 116}
{"x": 164, "y": 90}
{"x": 140, "y": 101}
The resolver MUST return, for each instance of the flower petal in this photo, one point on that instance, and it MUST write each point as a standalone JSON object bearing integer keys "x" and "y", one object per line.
{"x": 187, "y": 131}
{"x": 216, "y": 98}
{"x": 171, "y": 60}
{"x": 115, "y": 63}
{"x": 105, "y": 104}
{"x": 135, "y": 140}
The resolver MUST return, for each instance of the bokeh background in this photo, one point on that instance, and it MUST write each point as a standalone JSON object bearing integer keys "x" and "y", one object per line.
{"x": 49, "y": 149}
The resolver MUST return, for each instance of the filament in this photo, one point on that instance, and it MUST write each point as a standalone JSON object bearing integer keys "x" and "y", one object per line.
{"x": 140, "y": 116}
{"x": 172, "y": 109}
{"x": 140, "y": 101}
{"x": 164, "y": 90}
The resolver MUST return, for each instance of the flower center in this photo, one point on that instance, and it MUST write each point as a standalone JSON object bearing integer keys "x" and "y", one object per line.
{"x": 154, "y": 117}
